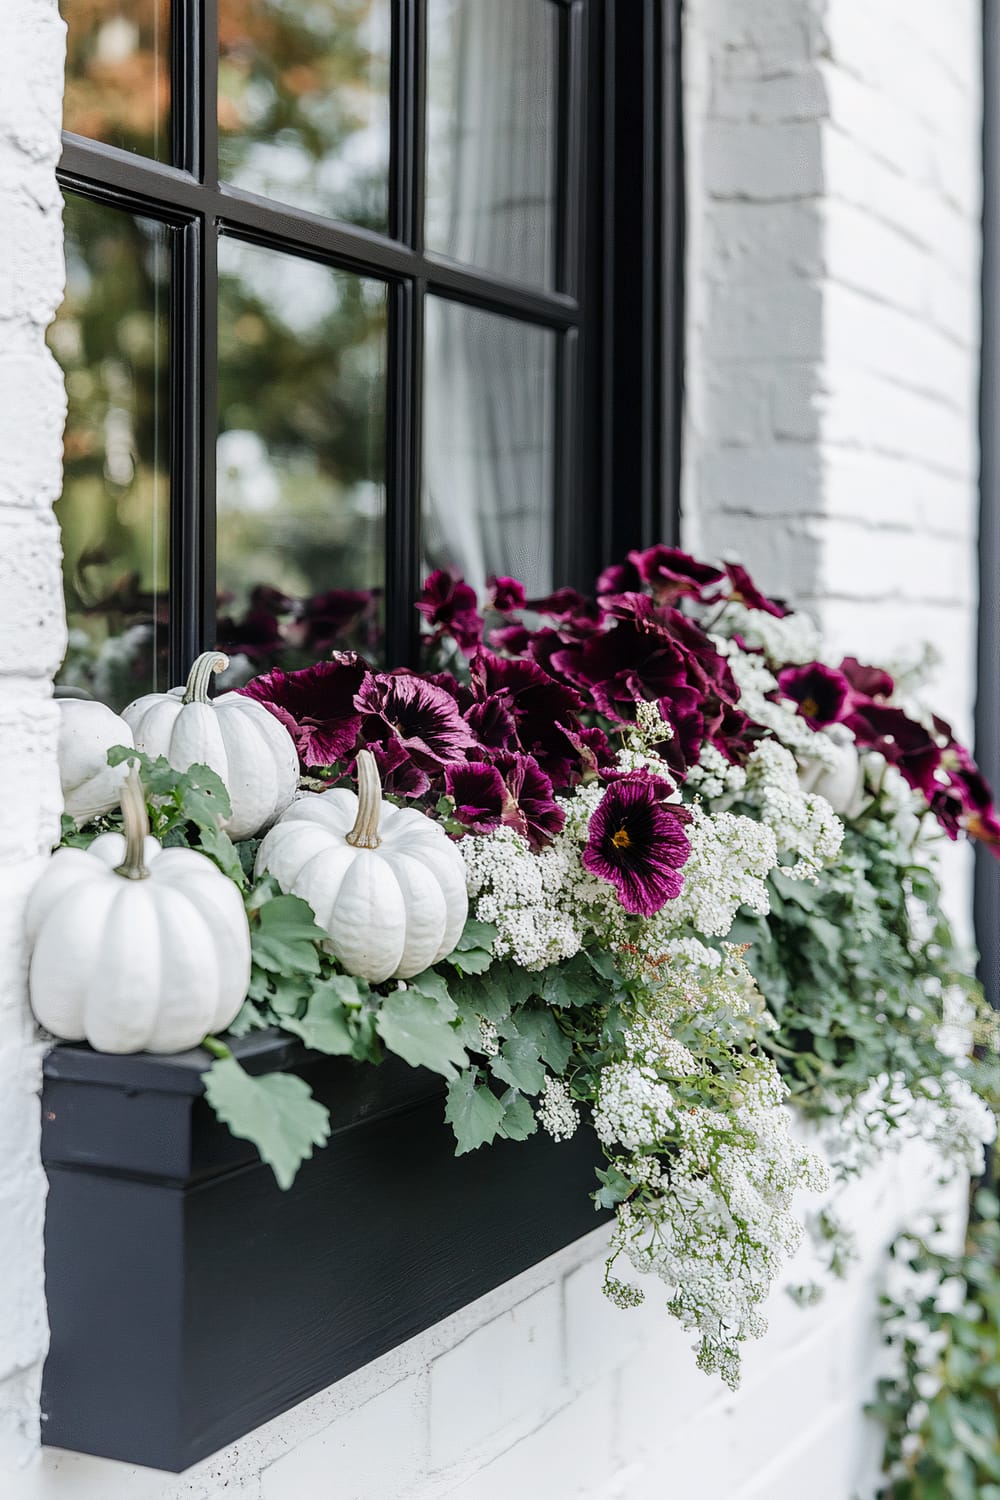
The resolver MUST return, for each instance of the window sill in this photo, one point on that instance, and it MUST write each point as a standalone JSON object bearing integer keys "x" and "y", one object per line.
{"x": 190, "y": 1300}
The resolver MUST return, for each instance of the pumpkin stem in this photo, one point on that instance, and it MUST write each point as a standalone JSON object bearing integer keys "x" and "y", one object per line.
{"x": 133, "y": 804}
{"x": 364, "y": 834}
{"x": 200, "y": 675}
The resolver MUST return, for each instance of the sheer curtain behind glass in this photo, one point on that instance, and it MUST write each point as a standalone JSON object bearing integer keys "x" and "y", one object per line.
{"x": 491, "y": 202}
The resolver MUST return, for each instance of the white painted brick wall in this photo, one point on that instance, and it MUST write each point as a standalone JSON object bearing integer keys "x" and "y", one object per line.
{"x": 831, "y": 369}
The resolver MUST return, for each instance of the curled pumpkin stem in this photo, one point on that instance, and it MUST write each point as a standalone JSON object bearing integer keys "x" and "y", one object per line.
{"x": 133, "y": 804}
{"x": 364, "y": 834}
{"x": 200, "y": 675}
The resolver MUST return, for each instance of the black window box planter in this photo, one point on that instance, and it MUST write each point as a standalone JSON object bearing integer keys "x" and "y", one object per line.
{"x": 191, "y": 1300}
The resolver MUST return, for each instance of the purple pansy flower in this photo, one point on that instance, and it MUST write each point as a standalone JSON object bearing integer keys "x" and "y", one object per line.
{"x": 423, "y": 718}
{"x": 820, "y": 692}
{"x": 529, "y": 803}
{"x": 637, "y": 843}
{"x": 673, "y": 574}
{"x": 478, "y": 792}
{"x": 316, "y": 705}
{"x": 746, "y": 592}
{"x": 867, "y": 682}
{"x": 506, "y": 594}
{"x": 448, "y": 604}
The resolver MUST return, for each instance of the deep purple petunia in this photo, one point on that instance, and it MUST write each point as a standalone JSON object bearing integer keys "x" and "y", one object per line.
{"x": 820, "y": 692}
{"x": 673, "y": 574}
{"x": 492, "y": 724}
{"x": 316, "y": 705}
{"x": 529, "y": 803}
{"x": 399, "y": 774}
{"x": 594, "y": 749}
{"x": 448, "y": 604}
{"x": 904, "y": 743}
{"x": 619, "y": 578}
{"x": 746, "y": 592}
{"x": 422, "y": 717}
{"x": 867, "y": 682}
{"x": 514, "y": 639}
{"x": 478, "y": 792}
{"x": 637, "y": 843}
{"x": 537, "y": 703}
{"x": 506, "y": 594}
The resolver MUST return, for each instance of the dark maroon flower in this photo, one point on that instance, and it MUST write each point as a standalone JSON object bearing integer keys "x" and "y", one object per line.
{"x": 258, "y": 635}
{"x": 620, "y": 578}
{"x": 867, "y": 682}
{"x": 448, "y": 605}
{"x": 529, "y": 804}
{"x": 492, "y": 724}
{"x": 820, "y": 692}
{"x": 746, "y": 592}
{"x": 563, "y": 602}
{"x": 537, "y": 703}
{"x": 505, "y": 594}
{"x": 514, "y": 639}
{"x": 673, "y": 574}
{"x": 328, "y": 618}
{"x": 478, "y": 792}
{"x": 904, "y": 743}
{"x": 399, "y": 774}
{"x": 423, "y": 718}
{"x": 638, "y": 843}
{"x": 316, "y": 705}
{"x": 594, "y": 749}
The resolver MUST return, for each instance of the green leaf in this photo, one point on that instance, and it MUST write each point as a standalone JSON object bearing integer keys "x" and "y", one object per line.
{"x": 575, "y": 982}
{"x": 276, "y": 1112}
{"x": 518, "y": 1117}
{"x": 542, "y": 1028}
{"x": 473, "y": 1112}
{"x": 433, "y": 985}
{"x": 418, "y": 1028}
{"x": 285, "y": 936}
{"x": 615, "y": 1188}
{"x": 325, "y": 1025}
{"x": 470, "y": 960}
{"x": 476, "y": 935}
{"x": 518, "y": 1065}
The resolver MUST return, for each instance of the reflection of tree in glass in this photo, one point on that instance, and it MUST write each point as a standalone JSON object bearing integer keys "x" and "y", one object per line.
{"x": 303, "y": 103}
{"x": 301, "y": 453}
{"x": 118, "y": 73}
{"x": 111, "y": 338}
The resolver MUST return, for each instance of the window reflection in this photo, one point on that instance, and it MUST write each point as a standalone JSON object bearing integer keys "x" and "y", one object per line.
{"x": 118, "y": 73}
{"x": 304, "y": 103}
{"x": 111, "y": 338}
{"x": 301, "y": 465}
{"x": 492, "y": 80}
{"x": 488, "y": 445}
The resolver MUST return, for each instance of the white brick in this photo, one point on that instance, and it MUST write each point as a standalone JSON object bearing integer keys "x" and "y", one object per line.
{"x": 374, "y": 1453}
{"x": 769, "y": 163}
{"x": 505, "y": 1374}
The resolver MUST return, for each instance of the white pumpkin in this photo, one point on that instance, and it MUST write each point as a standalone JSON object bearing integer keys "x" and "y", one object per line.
{"x": 87, "y": 731}
{"x": 386, "y": 884}
{"x": 843, "y": 783}
{"x": 238, "y": 738}
{"x": 134, "y": 947}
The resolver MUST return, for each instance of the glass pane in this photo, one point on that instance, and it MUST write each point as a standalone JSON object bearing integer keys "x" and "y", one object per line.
{"x": 304, "y": 104}
{"x": 118, "y": 73}
{"x": 492, "y": 72}
{"x": 301, "y": 462}
{"x": 111, "y": 339}
{"x": 488, "y": 445}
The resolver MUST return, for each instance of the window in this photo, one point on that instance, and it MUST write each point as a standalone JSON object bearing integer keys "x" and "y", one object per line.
{"x": 357, "y": 288}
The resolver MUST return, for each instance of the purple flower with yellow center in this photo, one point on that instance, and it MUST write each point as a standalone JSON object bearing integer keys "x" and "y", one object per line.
{"x": 820, "y": 692}
{"x": 637, "y": 843}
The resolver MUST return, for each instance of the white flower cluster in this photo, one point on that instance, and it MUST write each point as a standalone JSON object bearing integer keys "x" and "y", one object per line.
{"x": 755, "y": 680}
{"x": 727, "y": 868}
{"x": 804, "y": 823}
{"x": 714, "y": 776}
{"x": 794, "y": 640}
{"x": 717, "y": 1231}
{"x": 557, "y": 1112}
{"x": 956, "y": 1121}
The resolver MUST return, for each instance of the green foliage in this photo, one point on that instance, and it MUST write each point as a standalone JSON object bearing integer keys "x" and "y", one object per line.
{"x": 941, "y": 1409}
{"x": 186, "y": 808}
{"x": 276, "y": 1112}
{"x": 473, "y": 1111}
{"x": 855, "y": 970}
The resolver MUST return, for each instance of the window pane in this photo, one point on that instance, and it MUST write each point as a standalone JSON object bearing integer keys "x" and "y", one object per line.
{"x": 304, "y": 104}
{"x": 301, "y": 465}
{"x": 118, "y": 73}
{"x": 492, "y": 93}
{"x": 488, "y": 445}
{"x": 111, "y": 338}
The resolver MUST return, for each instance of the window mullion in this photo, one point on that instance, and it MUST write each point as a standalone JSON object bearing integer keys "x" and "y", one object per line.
{"x": 403, "y": 469}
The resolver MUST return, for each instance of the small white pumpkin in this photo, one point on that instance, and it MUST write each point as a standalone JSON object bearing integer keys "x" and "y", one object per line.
{"x": 843, "y": 782}
{"x": 87, "y": 731}
{"x": 386, "y": 884}
{"x": 238, "y": 738}
{"x": 134, "y": 947}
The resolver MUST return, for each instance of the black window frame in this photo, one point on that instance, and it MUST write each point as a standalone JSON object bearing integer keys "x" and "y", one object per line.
{"x": 619, "y": 324}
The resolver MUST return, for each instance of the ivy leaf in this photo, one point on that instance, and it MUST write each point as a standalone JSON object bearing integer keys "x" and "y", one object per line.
{"x": 473, "y": 1112}
{"x": 324, "y": 1026}
{"x": 518, "y": 1065}
{"x": 614, "y": 1190}
{"x": 249, "y": 1018}
{"x": 518, "y": 1117}
{"x": 285, "y": 936}
{"x": 418, "y": 1028}
{"x": 575, "y": 982}
{"x": 542, "y": 1028}
{"x": 276, "y": 1112}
